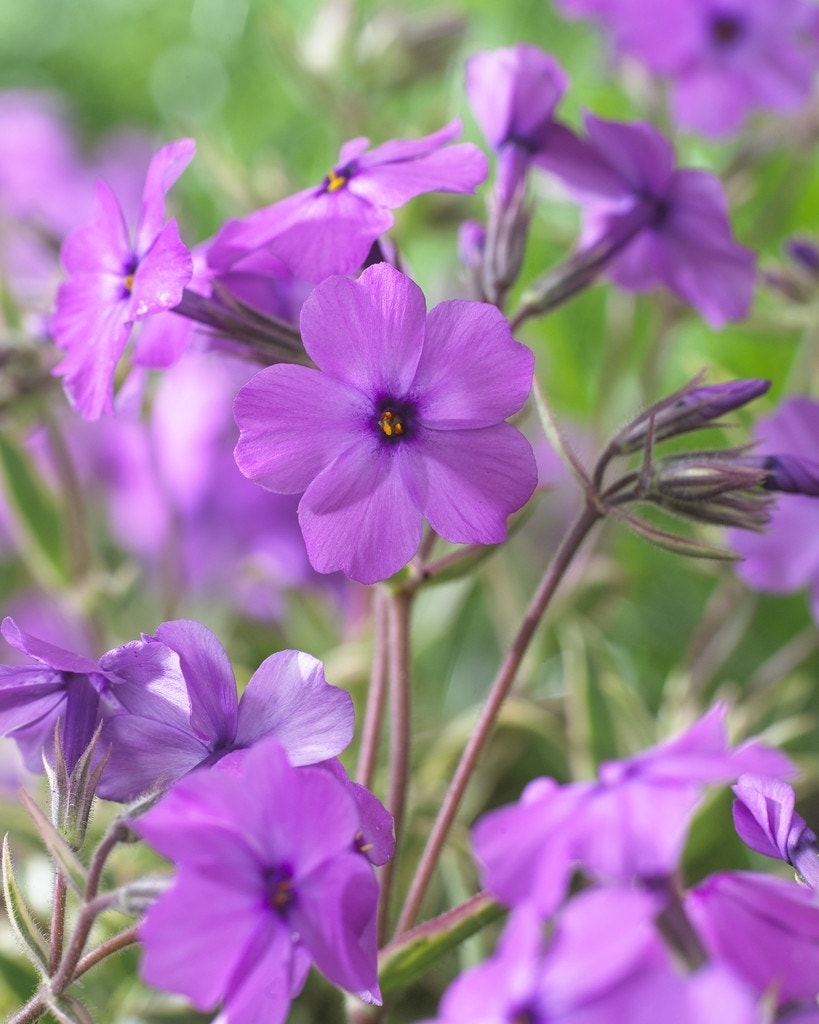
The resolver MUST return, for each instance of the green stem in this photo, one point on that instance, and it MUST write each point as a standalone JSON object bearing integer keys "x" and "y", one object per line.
{"x": 376, "y": 694}
{"x": 57, "y": 922}
{"x": 501, "y": 686}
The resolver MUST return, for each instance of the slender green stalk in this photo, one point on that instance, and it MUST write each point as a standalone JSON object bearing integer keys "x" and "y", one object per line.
{"x": 376, "y": 694}
{"x": 57, "y": 933}
{"x": 501, "y": 686}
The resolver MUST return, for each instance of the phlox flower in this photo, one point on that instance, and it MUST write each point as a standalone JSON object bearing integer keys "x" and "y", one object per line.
{"x": 630, "y": 823}
{"x": 267, "y": 882}
{"x": 178, "y": 709}
{"x": 765, "y": 929}
{"x": 664, "y": 226}
{"x": 605, "y": 962}
{"x": 114, "y": 282}
{"x": 724, "y": 58}
{"x": 513, "y": 92}
{"x": 765, "y": 820}
{"x": 786, "y": 557}
{"x": 403, "y": 419}
{"x": 60, "y": 686}
{"x": 329, "y": 228}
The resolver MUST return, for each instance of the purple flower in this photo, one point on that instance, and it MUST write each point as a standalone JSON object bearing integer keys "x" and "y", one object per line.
{"x": 765, "y": 929}
{"x": 631, "y": 823}
{"x": 765, "y": 820}
{"x": 62, "y": 687}
{"x": 181, "y": 710}
{"x": 114, "y": 282}
{"x": 664, "y": 226}
{"x": 267, "y": 882}
{"x": 402, "y": 420}
{"x": 329, "y": 229}
{"x": 513, "y": 93}
{"x": 786, "y": 557}
{"x": 605, "y": 963}
{"x": 725, "y": 58}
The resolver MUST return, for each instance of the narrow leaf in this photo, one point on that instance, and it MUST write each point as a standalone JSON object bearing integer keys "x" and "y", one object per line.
{"x": 22, "y": 920}
{"x": 71, "y": 866}
{"x": 37, "y": 515}
{"x": 411, "y": 956}
{"x": 671, "y": 541}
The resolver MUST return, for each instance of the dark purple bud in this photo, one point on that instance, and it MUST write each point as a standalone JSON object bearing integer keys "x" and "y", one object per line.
{"x": 691, "y": 408}
{"x": 805, "y": 253}
{"x": 789, "y": 474}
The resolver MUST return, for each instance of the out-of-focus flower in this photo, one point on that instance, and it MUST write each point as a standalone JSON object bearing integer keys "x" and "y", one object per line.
{"x": 267, "y": 882}
{"x": 631, "y": 823}
{"x": 178, "y": 709}
{"x": 329, "y": 229}
{"x": 404, "y": 419}
{"x": 765, "y": 929}
{"x": 660, "y": 225}
{"x": 114, "y": 282}
{"x": 765, "y": 820}
{"x": 61, "y": 686}
{"x": 605, "y": 963}
{"x": 786, "y": 557}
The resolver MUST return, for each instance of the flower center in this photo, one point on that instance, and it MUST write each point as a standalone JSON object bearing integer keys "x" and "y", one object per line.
{"x": 391, "y": 424}
{"x": 280, "y": 895}
{"x": 338, "y": 177}
{"x": 726, "y": 29}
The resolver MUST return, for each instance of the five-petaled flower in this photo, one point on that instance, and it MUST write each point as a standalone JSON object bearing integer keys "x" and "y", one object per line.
{"x": 404, "y": 419}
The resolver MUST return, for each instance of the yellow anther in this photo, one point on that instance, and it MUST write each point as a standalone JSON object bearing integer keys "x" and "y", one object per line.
{"x": 129, "y": 282}
{"x": 335, "y": 181}
{"x": 390, "y": 424}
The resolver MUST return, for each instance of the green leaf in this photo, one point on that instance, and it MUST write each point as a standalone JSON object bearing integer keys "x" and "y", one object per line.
{"x": 22, "y": 920}
{"x": 70, "y": 865}
{"x": 411, "y": 956}
{"x": 37, "y": 515}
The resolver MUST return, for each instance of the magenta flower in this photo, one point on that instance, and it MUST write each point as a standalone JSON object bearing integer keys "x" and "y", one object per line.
{"x": 402, "y": 420}
{"x": 765, "y": 820}
{"x": 725, "y": 58}
{"x": 664, "y": 226}
{"x": 267, "y": 882}
{"x": 513, "y": 93}
{"x": 786, "y": 557}
{"x": 765, "y": 929}
{"x": 60, "y": 686}
{"x": 114, "y": 282}
{"x": 329, "y": 228}
{"x": 631, "y": 823}
{"x": 180, "y": 709}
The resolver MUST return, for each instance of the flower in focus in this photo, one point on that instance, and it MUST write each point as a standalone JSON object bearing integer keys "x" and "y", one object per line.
{"x": 329, "y": 228}
{"x": 178, "y": 709}
{"x": 267, "y": 882}
{"x": 786, "y": 557}
{"x": 61, "y": 686}
{"x": 765, "y": 820}
{"x": 662, "y": 225}
{"x": 403, "y": 419}
{"x": 114, "y": 282}
{"x": 631, "y": 823}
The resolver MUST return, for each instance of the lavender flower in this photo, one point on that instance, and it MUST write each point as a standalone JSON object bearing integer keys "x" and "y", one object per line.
{"x": 613, "y": 930}
{"x": 267, "y": 882}
{"x": 114, "y": 282}
{"x": 659, "y": 225}
{"x": 725, "y": 58}
{"x": 403, "y": 419}
{"x": 765, "y": 929}
{"x": 179, "y": 709}
{"x": 631, "y": 823}
{"x": 786, "y": 557}
{"x": 513, "y": 93}
{"x": 765, "y": 820}
{"x": 329, "y": 229}
{"x": 62, "y": 687}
